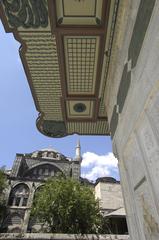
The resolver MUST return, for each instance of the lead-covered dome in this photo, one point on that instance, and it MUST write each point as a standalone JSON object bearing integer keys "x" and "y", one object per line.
{"x": 48, "y": 153}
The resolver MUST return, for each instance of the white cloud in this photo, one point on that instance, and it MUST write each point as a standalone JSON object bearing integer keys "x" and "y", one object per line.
{"x": 94, "y": 165}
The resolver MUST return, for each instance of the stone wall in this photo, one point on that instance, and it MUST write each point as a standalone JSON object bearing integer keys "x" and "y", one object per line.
{"x": 109, "y": 195}
{"x": 62, "y": 237}
{"x": 132, "y": 100}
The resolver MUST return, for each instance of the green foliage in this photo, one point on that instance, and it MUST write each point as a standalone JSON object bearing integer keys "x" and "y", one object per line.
{"x": 67, "y": 207}
{"x": 105, "y": 226}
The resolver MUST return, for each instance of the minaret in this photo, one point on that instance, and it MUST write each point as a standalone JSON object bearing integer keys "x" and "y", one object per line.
{"x": 78, "y": 152}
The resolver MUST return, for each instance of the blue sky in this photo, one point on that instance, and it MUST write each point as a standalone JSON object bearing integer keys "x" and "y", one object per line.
{"x": 18, "y": 133}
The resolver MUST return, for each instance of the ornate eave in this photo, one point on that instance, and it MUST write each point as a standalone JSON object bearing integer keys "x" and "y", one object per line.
{"x": 65, "y": 50}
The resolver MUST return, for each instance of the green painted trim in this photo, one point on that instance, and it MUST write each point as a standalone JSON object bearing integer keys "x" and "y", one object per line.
{"x": 54, "y": 128}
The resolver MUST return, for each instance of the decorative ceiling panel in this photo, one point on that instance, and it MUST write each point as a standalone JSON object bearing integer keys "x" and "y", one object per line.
{"x": 42, "y": 60}
{"x": 79, "y": 12}
{"x": 79, "y": 109}
{"x": 81, "y": 57}
{"x": 89, "y": 128}
{"x": 79, "y": 8}
{"x": 65, "y": 50}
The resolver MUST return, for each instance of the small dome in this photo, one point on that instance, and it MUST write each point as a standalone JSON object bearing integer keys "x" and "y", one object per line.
{"x": 49, "y": 153}
{"x": 48, "y": 150}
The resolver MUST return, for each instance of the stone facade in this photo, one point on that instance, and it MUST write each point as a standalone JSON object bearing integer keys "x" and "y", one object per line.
{"x": 132, "y": 100}
{"x": 27, "y": 175}
{"x": 108, "y": 191}
{"x": 47, "y": 236}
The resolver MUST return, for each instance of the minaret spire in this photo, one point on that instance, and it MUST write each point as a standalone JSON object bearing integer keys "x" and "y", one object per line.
{"x": 78, "y": 151}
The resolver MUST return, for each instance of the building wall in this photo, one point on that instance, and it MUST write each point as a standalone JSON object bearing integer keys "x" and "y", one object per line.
{"x": 110, "y": 195}
{"x": 28, "y": 173}
{"x": 132, "y": 100}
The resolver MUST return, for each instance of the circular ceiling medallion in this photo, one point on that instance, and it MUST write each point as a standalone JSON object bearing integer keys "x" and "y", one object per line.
{"x": 79, "y": 107}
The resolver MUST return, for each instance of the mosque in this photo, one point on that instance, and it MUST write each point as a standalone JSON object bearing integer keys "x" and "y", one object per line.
{"x": 30, "y": 171}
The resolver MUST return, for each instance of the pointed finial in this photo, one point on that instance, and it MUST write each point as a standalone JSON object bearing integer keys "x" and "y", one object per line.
{"x": 78, "y": 143}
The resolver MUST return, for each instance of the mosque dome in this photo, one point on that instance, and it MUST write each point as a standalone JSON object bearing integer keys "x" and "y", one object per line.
{"x": 48, "y": 150}
{"x": 47, "y": 153}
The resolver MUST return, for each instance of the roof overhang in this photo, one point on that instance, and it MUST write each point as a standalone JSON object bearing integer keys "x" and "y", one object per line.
{"x": 117, "y": 213}
{"x": 65, "y": 50}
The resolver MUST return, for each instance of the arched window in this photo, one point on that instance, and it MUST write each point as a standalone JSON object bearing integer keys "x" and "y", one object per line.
{"x": 34, "y": 225}
{"x": 43, "y": 171}
{"x": 51, "y": 155}
{"x": 19, "y": 196}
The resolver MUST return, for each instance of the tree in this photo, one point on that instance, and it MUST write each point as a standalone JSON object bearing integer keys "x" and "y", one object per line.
{"x": 67, "y": 207}
{"x": 3, "y": 185}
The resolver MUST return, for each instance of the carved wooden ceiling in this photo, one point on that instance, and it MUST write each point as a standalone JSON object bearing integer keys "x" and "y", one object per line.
{"x": 65, "y": 51}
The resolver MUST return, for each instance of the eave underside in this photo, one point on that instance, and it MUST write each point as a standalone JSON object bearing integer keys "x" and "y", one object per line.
{"x": 65, "y": 50}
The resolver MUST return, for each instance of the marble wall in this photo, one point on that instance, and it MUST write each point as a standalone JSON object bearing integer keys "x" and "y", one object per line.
{"x": 135, "y": 130}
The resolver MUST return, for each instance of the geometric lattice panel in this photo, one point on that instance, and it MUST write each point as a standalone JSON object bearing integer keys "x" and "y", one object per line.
{"x": 95, "y": 128}
{"x": 79, "y": 109}
{"x": 42, "y": 60}
{"x": 76, "y": 12}
{"x": 63, "y": 44}
{"x": 81, "y": 55}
